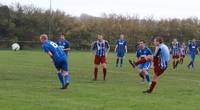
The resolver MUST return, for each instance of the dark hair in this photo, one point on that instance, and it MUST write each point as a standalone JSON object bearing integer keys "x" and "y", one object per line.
{"x": 62, "y": 33}
{"x": 142, "y": 41}
{"x": 159, "y": 39}
{"x": 122, "y": 33}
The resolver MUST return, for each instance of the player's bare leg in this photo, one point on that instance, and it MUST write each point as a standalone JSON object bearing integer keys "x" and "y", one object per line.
{"x": 140, "y": 61}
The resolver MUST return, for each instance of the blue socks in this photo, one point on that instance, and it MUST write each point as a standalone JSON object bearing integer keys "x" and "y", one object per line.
{"x": 60, "y": 77}
{"x": 148, "y": 78}
{"x": 121, "y": 61}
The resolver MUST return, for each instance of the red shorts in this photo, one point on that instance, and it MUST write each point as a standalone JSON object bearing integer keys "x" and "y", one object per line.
{"x": 175, "y": 56}
{"x": 182, "y": 56}
{"x": 100, "y": 60}
{"x": 157, "y": 68}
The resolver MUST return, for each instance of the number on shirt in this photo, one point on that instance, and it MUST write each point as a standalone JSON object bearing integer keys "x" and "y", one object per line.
{"x": 54, "y": 44}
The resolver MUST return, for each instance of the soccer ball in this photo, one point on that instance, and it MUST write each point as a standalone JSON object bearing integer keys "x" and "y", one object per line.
{"x": 15, "y": 47}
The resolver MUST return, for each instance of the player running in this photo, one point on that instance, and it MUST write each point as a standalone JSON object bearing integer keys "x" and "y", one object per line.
{"x": 100, "y": 49}
{"x": 120, "y": 49}
{"x": 175, "y": 49}
{"x": 63, "y": 43}
{"x": 183, "y": 51}
{"x": 160, "y": 59}
{"x": 141, "y": 53}
{"x": 59, "y": 59}
{"x": 193, "y": 49}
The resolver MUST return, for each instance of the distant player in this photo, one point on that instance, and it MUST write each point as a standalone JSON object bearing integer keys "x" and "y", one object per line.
{"x": 193, "y": 49}
{"x": 100, "y": 49}
{"x": 120, "y": 49}
{"x": 183, "y": 51}
{"x": 160, "y": 59}
{"x": 63, "y": 43}
{"x": 59, "y": 59}
{"x": 141, "y": 53}
{"x": 175, "y": 50}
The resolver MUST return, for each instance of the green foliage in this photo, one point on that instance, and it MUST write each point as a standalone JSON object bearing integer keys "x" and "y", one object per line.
{"x": 26, "y": 23}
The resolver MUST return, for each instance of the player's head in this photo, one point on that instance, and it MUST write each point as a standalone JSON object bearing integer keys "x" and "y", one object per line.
{"x": 121, "y": 35}
{"x": 174, "y": 40}
{"x": 43, "y": 38}
{"x": 141, "y": 44}
{"x": 158, "y": 40}
{"x": 62, "y": 36}
{"x": 100, "y": 37}
{"x": 193, "y": 40}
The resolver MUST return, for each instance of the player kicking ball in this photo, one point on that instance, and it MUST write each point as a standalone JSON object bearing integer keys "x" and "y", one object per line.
{"x": 100, "y": 49}
{"x": 59, "y": 59}
{"x": 141, "y": 53}
{"x": 160, "y": 59}
{"x": 120, "y": 49}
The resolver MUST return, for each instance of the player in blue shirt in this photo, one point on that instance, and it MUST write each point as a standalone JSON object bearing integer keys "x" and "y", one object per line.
{"x": 63, "y": 43}
{"x": 160, "y": 59}
{"x": 59, "y": 59}
{"x": 141, "y": 53}
{"x": 193, "y": 49}
{"x": 120, "y": 49}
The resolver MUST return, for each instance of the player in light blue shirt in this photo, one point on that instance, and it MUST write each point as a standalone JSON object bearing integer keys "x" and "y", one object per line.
{"x": 120, "y": 49}
{"x": 59, "y": 59}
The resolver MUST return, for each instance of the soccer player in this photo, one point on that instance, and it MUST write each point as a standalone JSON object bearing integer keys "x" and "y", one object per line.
{"x": 63, "y": 43}
{"x": 120, "y": 48}
{"x": 141, "y": 53}
{"x": 193, "y": 49}
{"x": 175, "y": 49}
{"x": 160, "y": 59}
{"x": 100, "y": 49}
{"x": 59, "y": 59}
{"x": 183, "y": 51}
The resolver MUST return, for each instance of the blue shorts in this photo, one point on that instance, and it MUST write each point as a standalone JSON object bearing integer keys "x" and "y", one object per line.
{"x": 145, "y": 65}
{"x": 61, "y": 65}
{"x": 120, "y": 54}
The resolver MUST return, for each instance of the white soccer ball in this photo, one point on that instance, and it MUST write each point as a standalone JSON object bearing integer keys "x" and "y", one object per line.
{"x": 15, "y": 47}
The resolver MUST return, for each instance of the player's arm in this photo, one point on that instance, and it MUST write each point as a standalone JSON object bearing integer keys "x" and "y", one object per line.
{"x": 94, "y": 47}
{"x": 116, "y": 46}
{"x": 126, "y": 48}
{"x": 107, "y": 47}
{"x": 67, "y": 46}
{"x": 157, "y": 52}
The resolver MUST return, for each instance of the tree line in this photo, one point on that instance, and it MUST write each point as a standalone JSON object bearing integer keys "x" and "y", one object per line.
{"x": 26, "y": 23}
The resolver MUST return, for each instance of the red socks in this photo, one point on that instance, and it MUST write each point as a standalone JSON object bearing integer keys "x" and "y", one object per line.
{"x": 152, "y": 86}
{"x": 95, "y": 73}
{"x": 104, "y": 73}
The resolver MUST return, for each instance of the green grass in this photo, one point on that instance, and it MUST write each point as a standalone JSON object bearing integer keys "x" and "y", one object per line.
{"x": 28, "y": 81}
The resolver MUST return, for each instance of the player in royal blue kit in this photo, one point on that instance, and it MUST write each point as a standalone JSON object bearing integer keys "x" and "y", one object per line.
{"x": 120, "y": 49}
{"x": 193, "y": 49}
{"x": 141, "y": 53}
{"x": 59, "y": 59}
{"x": 63, "y": 43}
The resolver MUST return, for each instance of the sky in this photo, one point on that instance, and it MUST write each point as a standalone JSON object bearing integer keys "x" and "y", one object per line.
{"x": 142, "y": 8}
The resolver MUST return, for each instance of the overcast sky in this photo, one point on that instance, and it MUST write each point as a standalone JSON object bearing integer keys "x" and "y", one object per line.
{"x": 142, "y": 8}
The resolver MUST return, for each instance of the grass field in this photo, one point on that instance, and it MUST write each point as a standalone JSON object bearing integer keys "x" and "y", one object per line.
{"x": 28, "y": 81}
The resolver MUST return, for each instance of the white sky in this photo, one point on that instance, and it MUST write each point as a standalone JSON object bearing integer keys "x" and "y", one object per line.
{"x": 142, "y": 8}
